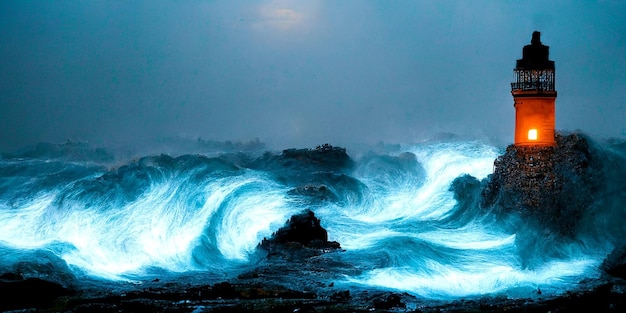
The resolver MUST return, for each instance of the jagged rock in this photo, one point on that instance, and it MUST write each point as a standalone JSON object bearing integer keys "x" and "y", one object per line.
{"x": 302, "y": 228}
{"x": 325, "y": 157}
{"x": 551, "y": 185}
{"x": 301, "y": 231}
{"x": 390, "y": 301}
{"x": 322, "y": 158}
{"x": 11, "y": 277}
{"x": 615, "y": 263}
{"x": 18, "y": 293}
{"x": 341, "y": 296}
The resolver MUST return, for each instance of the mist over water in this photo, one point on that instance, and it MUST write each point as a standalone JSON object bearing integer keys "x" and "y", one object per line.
{"x": 161, "y": 84}
{"x": 294, "y": 73}
{"x": 400, "y": 213}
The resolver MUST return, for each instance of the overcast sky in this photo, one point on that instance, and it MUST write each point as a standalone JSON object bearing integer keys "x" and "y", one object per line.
{"x": 298, "y": 73}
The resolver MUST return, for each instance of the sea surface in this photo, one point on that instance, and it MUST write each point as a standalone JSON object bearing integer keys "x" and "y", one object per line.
{"x": 68, "y": 211}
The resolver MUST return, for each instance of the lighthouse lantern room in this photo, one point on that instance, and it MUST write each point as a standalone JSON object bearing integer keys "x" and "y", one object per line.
{"x": 534, "y": 96}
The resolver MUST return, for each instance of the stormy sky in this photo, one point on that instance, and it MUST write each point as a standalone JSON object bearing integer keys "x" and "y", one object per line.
{"x": 298, "y": 73}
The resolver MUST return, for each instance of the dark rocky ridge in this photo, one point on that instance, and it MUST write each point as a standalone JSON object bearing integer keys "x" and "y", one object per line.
{"x": 549, "y": 191}
{"x": 16, "y": 292}
{"x": 322, "y": 158}
{"x": 302, "y": 235}
{"x": 552, "y": 186}
{"x": 615, "y": 263}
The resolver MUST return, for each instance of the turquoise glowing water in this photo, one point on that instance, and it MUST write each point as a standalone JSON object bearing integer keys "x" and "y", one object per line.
{"x": 397, "y": 219}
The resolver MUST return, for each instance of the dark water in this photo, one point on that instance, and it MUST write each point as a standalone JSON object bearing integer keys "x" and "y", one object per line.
{"x": 392, "y": 212}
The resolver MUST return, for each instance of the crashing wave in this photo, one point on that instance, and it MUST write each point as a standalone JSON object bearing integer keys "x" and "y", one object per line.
{"x": 411, "y": 219}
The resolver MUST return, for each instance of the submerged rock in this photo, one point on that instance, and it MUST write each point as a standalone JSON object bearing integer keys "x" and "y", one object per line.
{"x": 549, "y": 185}
{"x": 314, "y": 193}
{"x": 317, "y": 188}
{"x": 388, "y": 302}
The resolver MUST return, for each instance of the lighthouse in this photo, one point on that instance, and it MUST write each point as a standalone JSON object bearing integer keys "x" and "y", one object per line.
{"x": 534, "y": 96}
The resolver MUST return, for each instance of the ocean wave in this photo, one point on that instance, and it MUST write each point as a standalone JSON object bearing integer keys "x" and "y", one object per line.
{"x": 409, "y": 220}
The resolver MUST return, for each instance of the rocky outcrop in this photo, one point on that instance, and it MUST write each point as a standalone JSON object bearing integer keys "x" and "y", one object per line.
{"x": 319, "y": 174}
{"x": 301, "y": 233}
{"x": 17, "y": 292}
{"x": 615, "y": 263}
{"x": 323, "y": 158}
{"x": 549, "y": 185}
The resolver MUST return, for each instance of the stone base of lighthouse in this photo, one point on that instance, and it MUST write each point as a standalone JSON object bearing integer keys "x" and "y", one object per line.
{"x": 550, "y": 185}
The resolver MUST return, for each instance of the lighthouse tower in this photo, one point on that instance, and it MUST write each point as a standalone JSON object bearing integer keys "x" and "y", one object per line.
{"x": 534, "y": 96}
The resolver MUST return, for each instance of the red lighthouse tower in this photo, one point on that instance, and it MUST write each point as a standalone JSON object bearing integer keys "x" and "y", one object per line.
{"x": 534, "y": 96}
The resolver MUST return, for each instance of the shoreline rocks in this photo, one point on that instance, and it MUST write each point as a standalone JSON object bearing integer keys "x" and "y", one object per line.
{"x": 549, "y": 185}
{"x": 17, "y": 292}
{"x": 298, "y": 273}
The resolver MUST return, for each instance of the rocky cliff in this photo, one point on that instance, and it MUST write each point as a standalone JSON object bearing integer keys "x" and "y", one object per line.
{"x": 551, "y": 186}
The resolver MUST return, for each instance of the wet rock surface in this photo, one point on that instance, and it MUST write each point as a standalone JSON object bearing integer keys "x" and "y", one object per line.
{"x": 246, "y": 295}
{"x": 17, "y": 292}
{"x": 315, "y": 193}
{"x": 301, "y": 231}
{"x": 615, "y": 263}
{"x": 322, "y": 158}
{"x": 552, "y": 186}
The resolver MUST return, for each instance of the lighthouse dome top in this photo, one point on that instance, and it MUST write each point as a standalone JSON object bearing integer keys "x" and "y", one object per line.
{"x": 536, "y": 55}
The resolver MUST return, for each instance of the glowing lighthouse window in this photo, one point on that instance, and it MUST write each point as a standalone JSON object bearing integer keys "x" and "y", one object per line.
{"x": 532, "y": 134}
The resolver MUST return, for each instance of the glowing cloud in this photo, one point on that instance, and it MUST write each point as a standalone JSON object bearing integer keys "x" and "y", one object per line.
{"x": 283, "y": 16}
{"x": 283, "y": 19}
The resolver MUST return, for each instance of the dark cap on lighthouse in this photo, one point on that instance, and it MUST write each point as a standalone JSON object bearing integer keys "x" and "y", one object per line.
{"x": 534, "y": 95}
{"x": 535, "y": 56}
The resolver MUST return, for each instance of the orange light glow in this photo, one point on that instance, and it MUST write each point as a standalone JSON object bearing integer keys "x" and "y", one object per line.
{"x": 534, "y": 119}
